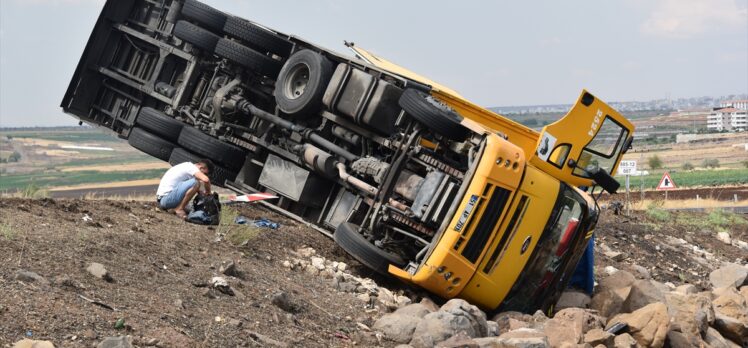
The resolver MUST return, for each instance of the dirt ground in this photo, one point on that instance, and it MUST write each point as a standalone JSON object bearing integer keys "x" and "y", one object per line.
{"x": 160, "y": 266}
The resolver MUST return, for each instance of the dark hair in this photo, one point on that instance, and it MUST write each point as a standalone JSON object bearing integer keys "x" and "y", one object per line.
{"x": 207, "y": 163}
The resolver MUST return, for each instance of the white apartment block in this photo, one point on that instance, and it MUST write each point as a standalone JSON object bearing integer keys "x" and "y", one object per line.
{"x": 729, "y": 118}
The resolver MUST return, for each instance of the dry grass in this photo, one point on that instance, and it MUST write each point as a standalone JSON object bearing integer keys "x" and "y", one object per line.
{"x": 93, "y": 196}
{"x": 687, "y": 203}
{"x": 119, "y": 167}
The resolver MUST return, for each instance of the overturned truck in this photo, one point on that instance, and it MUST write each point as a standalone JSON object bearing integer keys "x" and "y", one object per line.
{"x": 410, "y": 178}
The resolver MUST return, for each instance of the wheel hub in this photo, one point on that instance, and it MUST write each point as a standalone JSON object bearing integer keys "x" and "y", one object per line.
{"x": 297, "y": 80}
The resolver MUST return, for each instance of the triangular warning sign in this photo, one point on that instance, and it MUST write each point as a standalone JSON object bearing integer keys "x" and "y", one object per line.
{"x": 666, "y": 183}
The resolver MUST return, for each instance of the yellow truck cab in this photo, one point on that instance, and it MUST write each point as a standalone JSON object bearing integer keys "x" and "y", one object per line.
{"x": 407, "y": 176}
{"x": 524, "y": 221}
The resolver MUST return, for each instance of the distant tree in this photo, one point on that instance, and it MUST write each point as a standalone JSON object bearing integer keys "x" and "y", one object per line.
{"x": 745, "y": 164}
{"x": 687, "y": 166}
{"x": 654, "y": 162}
{"x": 710, "y": 163}
{"x": 14, "y": 157}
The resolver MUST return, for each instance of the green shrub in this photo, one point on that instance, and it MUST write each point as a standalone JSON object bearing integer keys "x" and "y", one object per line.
{"x": 687, "y": 166}
{"x": 654, "y": 162}
{"x": 710, "y": 163}
{"x": 34, "y": 191}
{"x": 655, "y": 212}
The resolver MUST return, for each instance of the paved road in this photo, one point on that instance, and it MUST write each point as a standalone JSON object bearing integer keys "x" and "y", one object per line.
{"x": 108, "y": 191}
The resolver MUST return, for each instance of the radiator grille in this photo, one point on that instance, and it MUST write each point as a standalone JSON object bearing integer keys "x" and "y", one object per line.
{"x": 486, "y": 225}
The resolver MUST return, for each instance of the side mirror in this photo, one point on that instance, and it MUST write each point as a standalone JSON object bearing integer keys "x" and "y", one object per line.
{"x": 605, "y": 180}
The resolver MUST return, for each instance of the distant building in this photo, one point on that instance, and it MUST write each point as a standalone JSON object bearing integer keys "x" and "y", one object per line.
{"x": 737, "y": 104}
{"x": 729, "y": 118}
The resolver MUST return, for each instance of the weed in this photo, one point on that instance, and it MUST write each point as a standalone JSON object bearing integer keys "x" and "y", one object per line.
{"x": 235, "y": 234}
{"x": 687, "y": 166}
{"x": 722, "y": 218}
{"x": 7, "y": 231}
{"x": 710, "y": 163}
{"x": 34, "y": 191}
{"x": 655, "y": 212}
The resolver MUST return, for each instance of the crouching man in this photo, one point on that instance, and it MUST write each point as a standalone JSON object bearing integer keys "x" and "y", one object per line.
{"x": 181, "y": 182}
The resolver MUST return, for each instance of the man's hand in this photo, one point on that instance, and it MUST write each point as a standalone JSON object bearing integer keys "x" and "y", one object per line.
{"x": 205, "y": 180}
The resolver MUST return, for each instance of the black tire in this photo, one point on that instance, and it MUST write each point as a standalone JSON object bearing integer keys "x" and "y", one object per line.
{"x": 347, "y": 236}
{"x": 248, "y": 58}
{"x": 204, "y": 14}
{"x": 197, "y": 36}
{"x": 302, "y": 83}
{"x": 434, "y": 114}
{"x": 218, "y": 176}
{"x": 257, "y": 37}
{"x": 159, "y": 123}
{"x": 150, "y": 144}
{"x": 223, "y": 154}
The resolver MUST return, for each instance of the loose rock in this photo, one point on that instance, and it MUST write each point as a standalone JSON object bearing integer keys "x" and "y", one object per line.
{"x": 26, "y": 343}
{"x": 598, "y": 336}
{"x": 730, "y": 275}
{"x": 99, "y": 271}
{"x": 648, "y": 325}
{"x": 397, "y": 327}
{"x": 116, "y": 342}
{"x": 573, "y": 299}
{"x": 31, "y": 277}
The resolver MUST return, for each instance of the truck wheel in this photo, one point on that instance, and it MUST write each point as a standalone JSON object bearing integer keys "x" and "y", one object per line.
{"x": 434, "y": 114}
{"x": 257, "y": 37}
{"x": 204, "y": 14}
{"x": 248, "y": 58}
{"x": 302, "y": 82}
{"x": 159, "y": 123}
{"x": 150, "y": 143}
{"x": 197, "y": 36}
{"x": 224, "y": 154}
{"x": 218, "y": 177}
{"x": 347, "y": 236}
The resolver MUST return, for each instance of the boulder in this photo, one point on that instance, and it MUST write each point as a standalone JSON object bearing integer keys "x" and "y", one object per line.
{"x": 731, "y": 316}
{"x": 460, "y": 340}
{"x": 506, "y": 321}
{"x": 573, "y": 299}
{"x": 648, "y": 325}
{"x": 744, "y": 292}
{"x": 583, "y": 320}
{"x": 595, "y": 337}
{"x": 26, "y": 343}
{"x": 397, "y": 327}
{"x": 477, "y": 317}
{"x": 523, "y": 338}
{"x": 679, "y": 339}
{"x": 418, "y": 310}
{"x": 639, "y": 272}
{"x": 715, "y": 340}
{"x": 624, "y": 340}
{"x": 686, "y": 289}
{"x": 691, "y": 314}
{"x": 617, "y": 280}
{"x": 430, "y": 304}
{"x": 607, "y": 302}
{"x": 560, "y": 331}
{"x": 493, "y": 328}
{"x": 643, "y": 292}
{"x": 438, "y": 326}
{"x": 116, "y": 342}
{"x": 730, "y": 275}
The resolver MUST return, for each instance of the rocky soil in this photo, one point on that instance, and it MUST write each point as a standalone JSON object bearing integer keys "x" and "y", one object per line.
{"x": 124, "y": 274}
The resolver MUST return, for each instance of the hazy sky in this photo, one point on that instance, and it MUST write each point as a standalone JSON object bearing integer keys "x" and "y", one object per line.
{"x": 495, "y": 53}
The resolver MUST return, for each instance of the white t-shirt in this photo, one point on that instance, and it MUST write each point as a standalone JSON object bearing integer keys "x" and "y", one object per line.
{"x": 175, "y": 175}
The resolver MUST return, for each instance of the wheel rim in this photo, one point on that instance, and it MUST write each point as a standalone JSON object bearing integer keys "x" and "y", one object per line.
{"x": 296, "y": 82}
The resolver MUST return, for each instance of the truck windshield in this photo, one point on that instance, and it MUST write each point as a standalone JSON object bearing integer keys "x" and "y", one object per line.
{"x": 603, "y": 150}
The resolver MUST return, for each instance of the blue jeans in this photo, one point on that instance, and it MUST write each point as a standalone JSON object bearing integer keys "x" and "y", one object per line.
{"x": 173, "y": 198}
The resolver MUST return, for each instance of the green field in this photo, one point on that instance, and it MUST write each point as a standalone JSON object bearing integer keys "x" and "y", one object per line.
{"x": 13, "y": 182}
{"x": 693, "y": 178}
{"x": 66, "y": 136}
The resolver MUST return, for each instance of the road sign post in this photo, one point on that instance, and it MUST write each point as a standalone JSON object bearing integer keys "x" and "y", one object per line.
{"x": 666, "y": 184}
{"x": 627, "y": 168}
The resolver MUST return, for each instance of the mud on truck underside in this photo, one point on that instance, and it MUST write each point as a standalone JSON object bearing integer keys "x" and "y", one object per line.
{"x": 347, "y": 146}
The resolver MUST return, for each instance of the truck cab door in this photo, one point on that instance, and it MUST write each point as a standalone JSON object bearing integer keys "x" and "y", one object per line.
{"x": 592, "y": 135}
